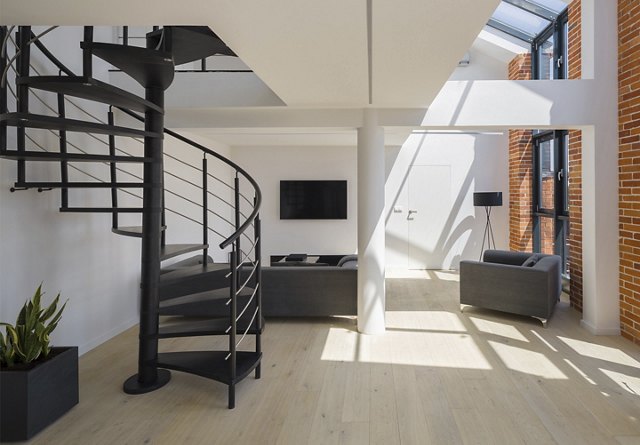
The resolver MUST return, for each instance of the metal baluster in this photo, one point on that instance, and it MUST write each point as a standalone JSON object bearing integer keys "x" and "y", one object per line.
{"x": 22, "y": 91}
{"x": 64, "y": 173}
{"x": 237, "y": 221}
{"x": 203, "y": 64}
{"x": 233, "y": 325}
{"x": 3, "y": 91}
{"x": 125, "y": 35}
{"x": 113, "y": 170}
{"x": 258, "y": 260}
{"x": 205, "y": 210}
{"x": 87, "y": 66}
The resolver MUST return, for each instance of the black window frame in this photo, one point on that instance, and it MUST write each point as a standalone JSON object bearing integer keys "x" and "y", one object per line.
{"x": 555, "y": 30}
{"x": 560, "y": 212}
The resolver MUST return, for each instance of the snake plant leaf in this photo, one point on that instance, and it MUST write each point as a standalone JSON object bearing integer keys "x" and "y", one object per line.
{"x": 56, "y": 319}
{"x": 11, "y": 333}
{"x": 29, "y": 338}
{"x": 51, "y": 309}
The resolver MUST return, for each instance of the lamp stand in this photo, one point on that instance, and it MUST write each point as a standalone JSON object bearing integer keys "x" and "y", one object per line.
{"x": 488, "y": 232}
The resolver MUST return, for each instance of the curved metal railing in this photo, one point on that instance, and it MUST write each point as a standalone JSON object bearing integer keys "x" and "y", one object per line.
{"x": 240, "y": 227}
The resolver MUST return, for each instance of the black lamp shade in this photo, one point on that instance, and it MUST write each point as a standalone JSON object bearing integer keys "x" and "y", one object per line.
{"x": 487, "y": 199}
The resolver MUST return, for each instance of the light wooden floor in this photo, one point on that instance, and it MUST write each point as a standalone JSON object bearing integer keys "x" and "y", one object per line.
{"x": 436, "y": 377}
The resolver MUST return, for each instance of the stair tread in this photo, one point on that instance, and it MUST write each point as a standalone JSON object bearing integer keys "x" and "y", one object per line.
{"x": 60, "y": 123}
{"x": 69, "y": 157}
{"x": 80, "y": 185}
{"x": 194, "y": 271}
{"x": 92, "y": 89}
{"x": 211, "y": 364}
{"x": 148, "y": 67}
{"x": 211, "y": 326}
{"x": 193, "y": 279}
{"x": 134, "y": 231}
{"x": 191, "y": 43}
{"x": 209, "y": 303}
{"x": 101, "y": 209}
{"x": 173, "y": 250}
{"x": 208, "y": 295}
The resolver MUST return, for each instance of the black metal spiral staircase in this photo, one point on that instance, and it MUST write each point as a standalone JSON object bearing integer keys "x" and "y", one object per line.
{"x": 226, "y": 297}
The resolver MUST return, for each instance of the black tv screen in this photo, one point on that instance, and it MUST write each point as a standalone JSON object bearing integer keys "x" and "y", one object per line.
{"x": 313, "y": 199}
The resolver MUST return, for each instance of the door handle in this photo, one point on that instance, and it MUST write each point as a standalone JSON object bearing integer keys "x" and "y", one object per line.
{"x": 411, "y": 212}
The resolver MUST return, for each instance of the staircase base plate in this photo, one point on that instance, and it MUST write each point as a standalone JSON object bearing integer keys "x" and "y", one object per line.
{"x": 133, "y": 386}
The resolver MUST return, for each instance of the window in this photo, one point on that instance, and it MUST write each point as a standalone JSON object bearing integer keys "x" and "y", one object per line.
{"x": 550, "y": 193}
{"x": 526, "y": 19}
{"x": 549, "y": 49}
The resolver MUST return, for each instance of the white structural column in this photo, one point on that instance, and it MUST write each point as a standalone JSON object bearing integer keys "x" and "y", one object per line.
{"x": 600, "y": 250}
{"x": 371, "y": 225}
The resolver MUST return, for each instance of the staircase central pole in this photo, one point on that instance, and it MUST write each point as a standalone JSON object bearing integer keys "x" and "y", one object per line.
{"x": 149, "y": 377}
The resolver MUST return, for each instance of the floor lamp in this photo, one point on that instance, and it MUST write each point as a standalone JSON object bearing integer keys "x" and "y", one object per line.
{"x": 488, "y": 200}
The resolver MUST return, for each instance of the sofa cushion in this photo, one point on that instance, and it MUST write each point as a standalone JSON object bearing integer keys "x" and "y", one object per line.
{"x": 533, "y": 260}
{"x": 348, "y": 259}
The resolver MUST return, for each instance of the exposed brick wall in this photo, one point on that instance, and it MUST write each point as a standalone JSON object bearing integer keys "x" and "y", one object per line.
{"x": 575, "y": 219}
{"x": 629, "y": 166}
{"x": 575, "y": 164}
{"x": 520, "y": 171}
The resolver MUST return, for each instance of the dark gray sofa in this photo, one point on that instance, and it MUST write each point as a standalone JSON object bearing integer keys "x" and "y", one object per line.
{"x": 503, "y": 282}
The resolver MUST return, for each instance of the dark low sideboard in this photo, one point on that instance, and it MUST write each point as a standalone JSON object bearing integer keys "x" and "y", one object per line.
{"x": 304, "y": 291}
{"x": 300, "y": 289}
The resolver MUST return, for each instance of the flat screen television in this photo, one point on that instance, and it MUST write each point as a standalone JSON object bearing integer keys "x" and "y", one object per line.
{"x": 313, "y": 199}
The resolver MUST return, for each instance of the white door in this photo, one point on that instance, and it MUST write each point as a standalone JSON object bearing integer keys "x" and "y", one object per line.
{"x": 428, "y": 212}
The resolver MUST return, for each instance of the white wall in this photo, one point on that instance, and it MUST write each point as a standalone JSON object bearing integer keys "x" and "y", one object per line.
{"x": 269, "y": 165}
{"x": 477, "y": 162}
{"x": 482, "y": 66}
{"x": 75, "y": 254}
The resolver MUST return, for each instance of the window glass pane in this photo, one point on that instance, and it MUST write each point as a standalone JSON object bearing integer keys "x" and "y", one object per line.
{"x": 520, "y": 19}
{"x": 565, "y": 175}
{"x": 545, "y": 59}
{"x": 547, "y": 175}
{"x": 565, "y": 50}
{"x": 554, "y": 5}
{"x": 565, "y": 253}
{"x": 547, "y": 236}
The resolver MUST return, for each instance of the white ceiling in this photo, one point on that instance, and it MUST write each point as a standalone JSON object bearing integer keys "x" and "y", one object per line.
{"x": 309, "y": 52}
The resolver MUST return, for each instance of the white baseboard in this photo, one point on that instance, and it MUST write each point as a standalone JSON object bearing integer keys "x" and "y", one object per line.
{"x": 82, "y": 349}
{"x": 612, "y": 330}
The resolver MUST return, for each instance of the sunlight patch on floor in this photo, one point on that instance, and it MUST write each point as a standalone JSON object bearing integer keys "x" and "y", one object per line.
{"x": 630, "y": 384}
{"x": 422, "y": 274}
{"x": 543, "y": 341}
{"x": 501, "y": 329}
{"x": 413, "y": 348}
{"x": 579, "y": 371}
{"x": 527, "y": 362}
{"x": 601, "y": 352}
{"x": 424, "y": 321}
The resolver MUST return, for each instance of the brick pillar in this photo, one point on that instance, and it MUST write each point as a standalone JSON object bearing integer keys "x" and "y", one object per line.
{"x": 575, "y": 164}
{"x": 629, "y": 166}
{"x": 520, "y": 171}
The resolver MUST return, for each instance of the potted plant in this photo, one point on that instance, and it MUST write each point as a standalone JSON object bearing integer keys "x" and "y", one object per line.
{"x": 38, "y": 383}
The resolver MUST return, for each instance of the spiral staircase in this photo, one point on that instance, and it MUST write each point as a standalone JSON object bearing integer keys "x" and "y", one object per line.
{"x": 225, "y": 297}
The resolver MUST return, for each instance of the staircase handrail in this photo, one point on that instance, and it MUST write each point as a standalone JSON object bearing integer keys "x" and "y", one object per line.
{"x": 258, "y": 194}
{"x": 35, "y": 39}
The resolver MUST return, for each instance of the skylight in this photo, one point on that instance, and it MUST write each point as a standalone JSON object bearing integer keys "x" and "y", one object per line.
{"x": 525, "y": 19}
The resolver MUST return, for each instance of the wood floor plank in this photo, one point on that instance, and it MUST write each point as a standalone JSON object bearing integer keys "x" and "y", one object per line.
{"x": 438, "y": 376}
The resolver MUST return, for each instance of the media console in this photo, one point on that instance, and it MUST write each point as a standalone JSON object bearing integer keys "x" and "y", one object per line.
{"x": 307, "y": 259}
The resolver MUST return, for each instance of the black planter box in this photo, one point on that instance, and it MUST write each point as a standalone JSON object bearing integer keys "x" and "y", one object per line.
{"x": 30, "y": 400}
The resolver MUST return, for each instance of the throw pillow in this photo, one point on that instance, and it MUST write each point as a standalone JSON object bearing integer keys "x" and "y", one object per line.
{"x": 531, "y": 261}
